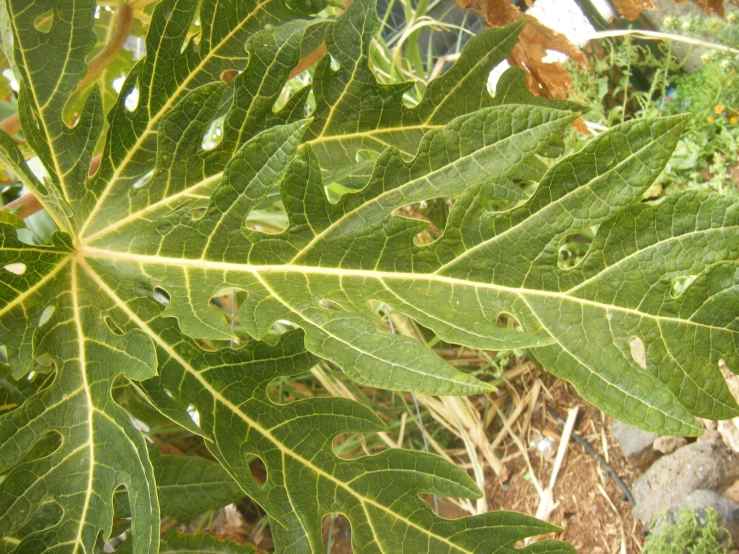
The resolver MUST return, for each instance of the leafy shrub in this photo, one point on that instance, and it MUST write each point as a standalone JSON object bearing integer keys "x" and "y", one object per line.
{"x": 691, "y": 535}
{"x": 148, "y": 244}
{"x": 706, "y": 153}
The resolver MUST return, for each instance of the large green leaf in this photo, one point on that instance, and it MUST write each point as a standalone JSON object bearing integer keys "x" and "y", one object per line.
{"x": 639, "y": 326}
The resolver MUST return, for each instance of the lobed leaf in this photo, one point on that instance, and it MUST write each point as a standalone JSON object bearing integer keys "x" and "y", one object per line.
{"x": 640, "y": 326}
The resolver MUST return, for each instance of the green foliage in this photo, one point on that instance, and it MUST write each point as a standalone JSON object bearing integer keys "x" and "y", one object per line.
{"x": 691, "y": 535}
{"x": 125, "y": 290}
{"x": 705, "y": 155}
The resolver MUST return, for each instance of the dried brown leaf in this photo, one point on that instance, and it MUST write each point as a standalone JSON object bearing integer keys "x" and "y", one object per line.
{"x": 545, "y": 79}
{"x": 631, "y": 9}
{"x": 711, "y": 6}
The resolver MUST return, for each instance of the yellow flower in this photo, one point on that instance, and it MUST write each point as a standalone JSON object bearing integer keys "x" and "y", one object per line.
{"x": 710, "y": 119}
{"x": 719, "y": 109}
{"x": 734, "y": 120}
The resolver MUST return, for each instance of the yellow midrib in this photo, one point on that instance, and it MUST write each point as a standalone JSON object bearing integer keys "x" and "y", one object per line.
{"x": 91, "y": 252}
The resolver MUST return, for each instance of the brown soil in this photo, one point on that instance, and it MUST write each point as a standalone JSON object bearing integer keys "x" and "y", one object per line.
{"x": 592, "y": 510}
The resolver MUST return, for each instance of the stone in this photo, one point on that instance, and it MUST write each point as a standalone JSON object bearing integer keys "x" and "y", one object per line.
{"x": 710, "y": 436}
{"x": 635, "y": 444}
{"x": 673, "y": 478}
{"x": 732, "y": 493}
{"x": 631, "y": 440}
{"x": 667, "y": 445}
{"x": 729, "y": 432}
{"x": 698, "y": 501}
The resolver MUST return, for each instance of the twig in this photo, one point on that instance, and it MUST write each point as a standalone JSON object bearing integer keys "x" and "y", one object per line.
{"x": 590, "y": 450}
{"x": 656, "y": 35}
{"x": 114, "y": 44}
{"x": 314, "y": 56}
{"x": 546, "y": 503}
{"x": 28, "y": 205}
{"x": 425, "y": 443}
{"x": 11, "y": 124}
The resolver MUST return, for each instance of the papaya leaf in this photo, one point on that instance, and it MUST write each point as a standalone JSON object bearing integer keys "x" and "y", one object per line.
{"x": 126, "y": 287}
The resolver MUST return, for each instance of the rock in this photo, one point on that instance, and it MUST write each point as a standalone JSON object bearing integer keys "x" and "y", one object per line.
{"x": 711, "y": 436}
{"x": 632, "y": 441}
{"x": 672, "y": 478}
{"x": 732, "y": 493}
{"x": 635, "y": 444}
{"x": 698, "y": 501}
{"x": 667, "y": 445}
{"x": 730, "y": 433}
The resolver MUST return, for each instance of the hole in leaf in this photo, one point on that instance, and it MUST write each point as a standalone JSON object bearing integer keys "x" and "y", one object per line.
{"x": 310, "y": 105}
{"x": 192, "y": 411}
{"x": 16, "y": 268}
{"x": 328, "y": 304}
{"x": 573, "y": 248}
{"x": 161, "y": 296}
{"x": 35, "y": 121}
{"x": 228, "y": 302}
{"x": 112, "y": 326}
{"x": 199, "y": 212}
{"x": 46, "y": 315}
{"x": 44, "y": 21}
{"x": 141, "y": 182}
{"x": 638, "y": 352}
{"x": 505, "y": 320}
{"x": 270, "y": 220}
{"x": 680, "y": 284}
{"x": 94, "y": 165}
{"x": 433, "y": 213}
{"x": 349, "y": 445}
{"x": 214, "y": 135}
{"x": 337, "y": 533}
{"x": 257, "y": 468}
{"x": 229, "y": 76}
{"x": 131, "y": 101}
{"x": 121, "y": 502}
{"x": 293, "y": 86}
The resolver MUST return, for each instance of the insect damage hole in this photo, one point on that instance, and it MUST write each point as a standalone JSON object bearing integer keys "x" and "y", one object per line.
{"x": 573, "y": 248}
{"x": 427, "y": 218}
{"x": 192, "y": 411}
{"x": 638, "y": 352}
{"x": 131, "y": 101}
{"x": 44, "y": 21}
{"x": 16, "y": 268}
{"x": 337, "y": 532}
{"x": 112, "y": 326}
{"x": 328, "y": 304}
{"x": 213, "y": 135}
{"x": 680, "y": 284}
{"x": 46, "y": 315}
{"x": 161, "y": 296}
